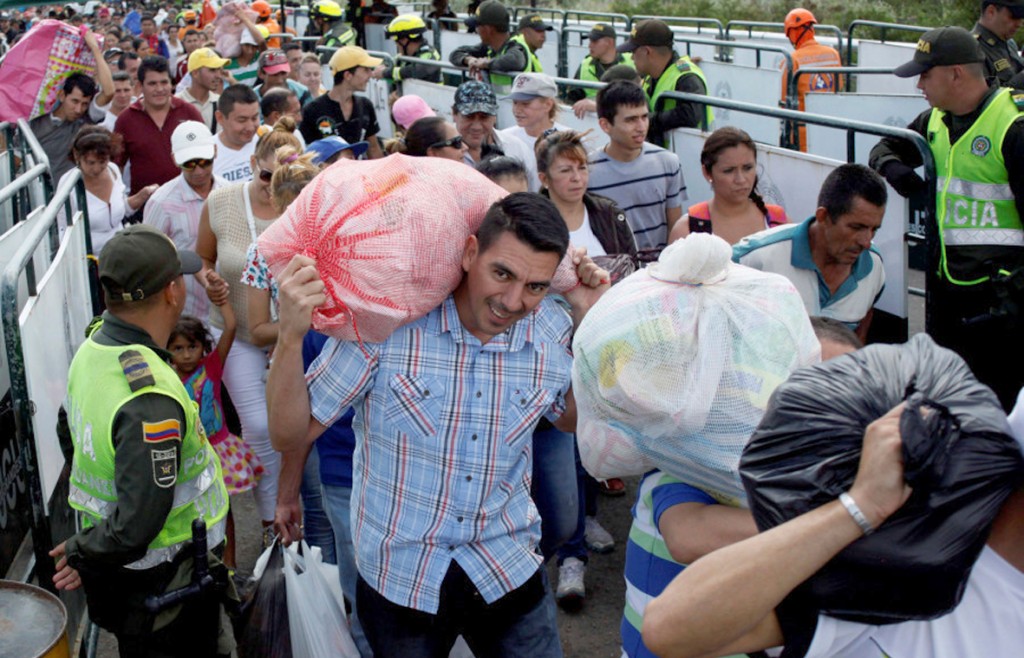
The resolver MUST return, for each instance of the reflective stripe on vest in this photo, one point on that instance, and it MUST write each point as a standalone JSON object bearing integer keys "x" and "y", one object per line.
{"x": 214, "y": 535}
{"x": 975, "y": 206}
{"x": 97, "y": 389}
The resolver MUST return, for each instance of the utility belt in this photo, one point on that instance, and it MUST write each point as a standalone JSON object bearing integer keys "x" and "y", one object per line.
{"x": 121, "y": 600}
{"x": 1006, "y": 300}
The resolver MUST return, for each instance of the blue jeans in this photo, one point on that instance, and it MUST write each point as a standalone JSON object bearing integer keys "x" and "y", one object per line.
{"x": 337, "y": 500}
{"x": 521, "y": 623}
{"x": 586, "y": 487}
{"x": 316, "y": 526}
{"x": 554, "y": 487}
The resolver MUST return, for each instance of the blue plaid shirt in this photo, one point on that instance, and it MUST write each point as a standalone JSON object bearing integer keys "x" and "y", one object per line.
{"x": 443, "y": 448}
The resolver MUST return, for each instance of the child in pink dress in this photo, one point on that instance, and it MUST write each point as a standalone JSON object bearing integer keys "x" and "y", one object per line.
{"x": 200, "y": 368}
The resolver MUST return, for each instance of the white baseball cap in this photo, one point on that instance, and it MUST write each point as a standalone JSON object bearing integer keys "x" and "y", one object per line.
{"x": 192, "y": 140}
{"x": 532, "y": 85}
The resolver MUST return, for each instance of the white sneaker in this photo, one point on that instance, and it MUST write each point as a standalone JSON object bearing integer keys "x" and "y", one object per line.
{"x": 570, "y": 592}
{"x": 596, "y": 537}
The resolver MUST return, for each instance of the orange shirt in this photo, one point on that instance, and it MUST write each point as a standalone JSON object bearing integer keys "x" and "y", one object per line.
{"x": 274, "y": 28}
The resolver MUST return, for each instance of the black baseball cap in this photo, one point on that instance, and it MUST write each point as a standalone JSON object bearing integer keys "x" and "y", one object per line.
{"x": 491, "y": 12}
{"x": 1016, "y": 7}
{"x": 535, "y": 21}
{"x": 651, "y": 32}
{"x": 601, "y": 31}
{"x": 140, "y": 261}
{"x": 944, "y": 46}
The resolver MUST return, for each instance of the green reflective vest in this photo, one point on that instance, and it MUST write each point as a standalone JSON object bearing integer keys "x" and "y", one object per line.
{"x": 667, "y": 82}
{"x": 588, "y": 69}
{"x": 974, "y": 203}
{"x": 427, "y": 52}
{"x": 97, "y": 389}
{"x": 532, "y": 62}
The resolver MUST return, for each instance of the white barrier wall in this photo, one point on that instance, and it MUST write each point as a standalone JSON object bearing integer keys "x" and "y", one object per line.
{"x": 748, "y": 84}
{"x": 769, "y": 59}
{"x": 377, "y": 91}
{"x": 886, "y": 55}
{"x": 896, "y": 110}
{"x": 792, "y": 180}
{"x": 49, "y": 344}
{"x": 439, "y": 98}
{"x": 452, "y": 40}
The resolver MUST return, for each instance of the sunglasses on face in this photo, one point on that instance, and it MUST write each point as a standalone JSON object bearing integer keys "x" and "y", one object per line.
{"x": 192, "y": 164}
{"x": 265, "y": 175}
{"x": 454, "y": 142}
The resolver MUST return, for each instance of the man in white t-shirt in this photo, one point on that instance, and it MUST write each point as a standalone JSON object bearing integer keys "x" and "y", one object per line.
{"x": 728, "y": 603}
{"x": 238, "y": 115}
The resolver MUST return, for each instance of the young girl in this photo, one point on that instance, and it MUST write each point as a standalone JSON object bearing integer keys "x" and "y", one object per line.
{"x": 200, "y": 368}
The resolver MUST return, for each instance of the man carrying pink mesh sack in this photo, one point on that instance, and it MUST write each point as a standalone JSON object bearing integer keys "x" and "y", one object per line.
{"x": 445, "y": 531}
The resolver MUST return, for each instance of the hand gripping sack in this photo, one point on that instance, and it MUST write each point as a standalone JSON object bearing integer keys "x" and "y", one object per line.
{"x": 958, "y": 457}
{"x": 387, "y": 236}
{"x": 673, "y": 366}
{"x": 35, "y": 68}
{"x": 229, "y": 28}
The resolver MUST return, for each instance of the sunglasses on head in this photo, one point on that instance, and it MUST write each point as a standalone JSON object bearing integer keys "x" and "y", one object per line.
{"x": 454, "y": 142}
{"x": 192, "y": 164}
{"x": 265, "y": 175}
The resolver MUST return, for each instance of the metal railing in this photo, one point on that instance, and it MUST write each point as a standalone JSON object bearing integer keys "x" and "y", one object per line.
{"x": 597, "y": 17}
{"x": 26, "y": 155}
{"x": 848, "y": 71}
{"x": 882, "y": 27}
{"x": 835, "y": 30}
{"x": 688, "y": 21}
{"x": 547, "y": 12}
{"x": 728, "y": 45}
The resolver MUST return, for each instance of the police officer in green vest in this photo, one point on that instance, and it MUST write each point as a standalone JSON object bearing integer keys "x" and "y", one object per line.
{"x": 407, "y": 31}
{"x": 602, "y": 56}
{"x": 328, "y": 18}
{"x": 533, "y": 32}
{"x": 998, "y": 22}
{"x": 142, "y": 469}
{"x": 497, "y": 54}
{"x": 655, "y": 58}
{"x": 975, "y": 300}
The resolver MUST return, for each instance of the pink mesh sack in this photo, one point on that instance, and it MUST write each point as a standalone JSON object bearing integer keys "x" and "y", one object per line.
{"x": 388, "y": 237}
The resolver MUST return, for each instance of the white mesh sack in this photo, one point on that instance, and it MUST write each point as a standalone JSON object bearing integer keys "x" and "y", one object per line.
{"x": 673, "y": 367}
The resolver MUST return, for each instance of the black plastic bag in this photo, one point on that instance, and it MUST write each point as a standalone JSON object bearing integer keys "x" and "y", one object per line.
{"x": 959, "y": 458}
{"x": 261, "y": 629}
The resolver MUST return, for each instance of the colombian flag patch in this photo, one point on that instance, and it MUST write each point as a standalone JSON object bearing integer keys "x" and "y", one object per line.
{"x": 164, "y": 430}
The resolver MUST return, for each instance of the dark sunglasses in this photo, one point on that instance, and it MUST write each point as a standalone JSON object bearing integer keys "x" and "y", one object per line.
{"x": 265, "y": 175}
{"x": 454, "y": 142}
{"x": 192, "y": 164}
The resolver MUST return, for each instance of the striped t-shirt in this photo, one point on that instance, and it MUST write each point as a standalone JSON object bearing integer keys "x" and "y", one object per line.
{"x": 644, "y": 188}
{"x": 649, "y": 566}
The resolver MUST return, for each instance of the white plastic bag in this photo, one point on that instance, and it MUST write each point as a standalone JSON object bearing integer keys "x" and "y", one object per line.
{"x": 673, "y": 366}
{"x": 316, "y": 607}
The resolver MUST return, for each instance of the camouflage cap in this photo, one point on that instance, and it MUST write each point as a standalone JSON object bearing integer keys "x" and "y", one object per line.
{"x": 473, "y": 97}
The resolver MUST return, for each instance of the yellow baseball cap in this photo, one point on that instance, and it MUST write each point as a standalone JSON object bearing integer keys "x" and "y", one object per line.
{"x": 206, "y": 58}
{"x": 349, "y": 57}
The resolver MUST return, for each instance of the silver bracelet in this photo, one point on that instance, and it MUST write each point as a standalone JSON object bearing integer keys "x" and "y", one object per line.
{"x": 858, "y": 516}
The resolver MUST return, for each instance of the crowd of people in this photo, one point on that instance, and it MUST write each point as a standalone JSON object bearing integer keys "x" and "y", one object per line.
{"x": 439, "y": 468}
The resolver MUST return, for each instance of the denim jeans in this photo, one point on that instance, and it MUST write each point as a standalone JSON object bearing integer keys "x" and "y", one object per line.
{"x": 337, "y": 501}
{"x": 554, "y": 488}
{"x": 586, "y": 487}
{"x": 316, "y": 525}
{"x": 521, "y": 623}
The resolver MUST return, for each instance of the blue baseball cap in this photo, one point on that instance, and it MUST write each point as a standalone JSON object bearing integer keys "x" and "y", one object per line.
{"x": 328, "y": 147}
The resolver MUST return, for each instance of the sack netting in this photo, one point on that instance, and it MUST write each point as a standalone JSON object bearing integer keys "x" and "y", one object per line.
{"x": 387, "y": 236}
{"x": 674, "y": 366}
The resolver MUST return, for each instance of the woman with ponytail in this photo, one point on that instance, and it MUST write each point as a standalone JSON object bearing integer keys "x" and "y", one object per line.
{"x": 729, "y": 163}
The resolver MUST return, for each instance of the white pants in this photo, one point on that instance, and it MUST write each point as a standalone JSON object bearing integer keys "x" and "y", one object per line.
{"x": 244, "y": 375}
